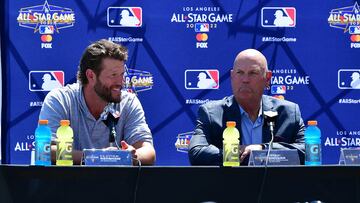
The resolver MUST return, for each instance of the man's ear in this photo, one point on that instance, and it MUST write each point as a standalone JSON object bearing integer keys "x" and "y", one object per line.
{"x": 268, "y": 78}
{"x": 268, "y": 75}
{"x": 90, "y": 75}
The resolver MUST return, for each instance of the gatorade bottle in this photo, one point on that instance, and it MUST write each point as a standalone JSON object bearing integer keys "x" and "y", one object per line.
{"x": 42, "y": 144}
{"x": 231, "y": 145}
{"x": 312, "y": 144}
{"x": 64, "y": 136}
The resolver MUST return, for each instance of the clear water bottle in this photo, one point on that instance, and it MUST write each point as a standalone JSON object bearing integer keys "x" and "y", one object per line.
{"x": 64, "y": 142}
{"x": 312, "y": 144}
{"x": 231, "y": 145}
{"x": 42, "y": 144}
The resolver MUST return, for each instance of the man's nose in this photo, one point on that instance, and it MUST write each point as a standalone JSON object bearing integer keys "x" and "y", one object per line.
{"x": 245, "y": 78}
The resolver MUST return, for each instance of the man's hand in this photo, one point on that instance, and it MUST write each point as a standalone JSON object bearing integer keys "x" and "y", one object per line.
{"x": 245, "y": 150}
{"x": 127, "y": 147}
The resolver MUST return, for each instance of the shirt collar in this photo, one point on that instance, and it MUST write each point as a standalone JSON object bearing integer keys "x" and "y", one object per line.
{"x": 243, "y": 112}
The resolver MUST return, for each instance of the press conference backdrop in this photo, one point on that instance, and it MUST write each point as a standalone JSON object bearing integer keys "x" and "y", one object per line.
{"x": 180, "y": 55}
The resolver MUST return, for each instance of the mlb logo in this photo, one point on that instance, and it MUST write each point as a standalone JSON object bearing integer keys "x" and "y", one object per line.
{"x": 46, "y": 29}
{"x": 278, "y": 89}
{"x": 354, "y": 29}
{"x": 45, "y": 80}
{"x": 349, "y": 78}
{"x": 278, "y": 17}
{"x": 202, "y": 27}
{"x": 124, "y": 16}
{"x": 201, "y": 79}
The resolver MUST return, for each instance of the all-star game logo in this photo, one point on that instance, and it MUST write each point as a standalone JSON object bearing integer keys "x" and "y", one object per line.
{"x": 347, "y": 19}
{"x": 138, "y": 81}
{"x": 47, "y": 20}
{"x": 201, "y": 20}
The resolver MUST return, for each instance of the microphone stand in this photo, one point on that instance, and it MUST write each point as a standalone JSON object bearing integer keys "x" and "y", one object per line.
{"x": 271, "y": 124}
{"x": 270, "y": 116}
{"x": 111, "y": 122}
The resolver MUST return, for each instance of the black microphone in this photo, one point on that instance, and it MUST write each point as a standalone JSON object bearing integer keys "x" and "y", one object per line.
{"x": 111, "y": 121}
{"x": 270, "y": 118}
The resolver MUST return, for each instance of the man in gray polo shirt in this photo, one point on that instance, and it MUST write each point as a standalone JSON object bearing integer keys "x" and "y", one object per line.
{"x": 98, "y": 91}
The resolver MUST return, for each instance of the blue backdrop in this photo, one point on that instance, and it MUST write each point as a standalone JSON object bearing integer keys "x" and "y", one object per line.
{"x": 312, "y": 49}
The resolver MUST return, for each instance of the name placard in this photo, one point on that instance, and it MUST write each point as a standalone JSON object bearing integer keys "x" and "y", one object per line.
{"x": 102, "y": 157}
{"x": 276, "y": 157}
{"x": 349, "y": 157}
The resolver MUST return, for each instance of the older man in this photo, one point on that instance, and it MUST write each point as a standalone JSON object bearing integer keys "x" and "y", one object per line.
{"x": 249, "y": 77}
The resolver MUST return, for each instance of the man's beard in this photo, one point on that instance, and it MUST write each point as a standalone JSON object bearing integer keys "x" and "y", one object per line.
{"x": 105, "y": 92}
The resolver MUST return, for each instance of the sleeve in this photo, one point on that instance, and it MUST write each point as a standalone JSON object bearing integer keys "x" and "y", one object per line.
{"x": 53, "y": 110}
{"x": 201, "y": 152}
{"x": 136, "y": 129}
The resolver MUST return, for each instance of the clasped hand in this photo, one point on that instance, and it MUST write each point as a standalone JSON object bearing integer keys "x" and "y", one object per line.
{"x": 245, "y": 150}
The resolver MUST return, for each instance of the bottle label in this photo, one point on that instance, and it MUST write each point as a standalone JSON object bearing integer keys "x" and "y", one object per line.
{"x": 64, "y": 151}
{"x": 313, "y": 152}
{"x": 231, "y": 152}
{"x": 42, "y": 150}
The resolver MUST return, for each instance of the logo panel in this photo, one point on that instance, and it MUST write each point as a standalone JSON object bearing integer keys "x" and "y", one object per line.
{"x": 183, "y": 141}
{"x": 348, "y": 20}
{"x": 278, "y": 17}
{"x": 45, "y": 80}
{"x": 201, "y": 20}
{"x": 47, "y": 20}
{"x": 201, "y": 79}
{"x": 349, "y": 79}
{"x": 124, "y": 16}
{"x": 278, "y": 89}
{"x": 202, "y": 27}
{"x": 138, "y": 81}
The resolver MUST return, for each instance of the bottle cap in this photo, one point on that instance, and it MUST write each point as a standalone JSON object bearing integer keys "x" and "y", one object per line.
{"x": 64, "y": 122}
{"x": 43, "y": 122}
{"x": 312, "y": 122}
{"x": 230, "y": 124}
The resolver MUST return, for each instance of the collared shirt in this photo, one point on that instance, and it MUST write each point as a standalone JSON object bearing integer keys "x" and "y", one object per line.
{"x": 69, "y": 103}
{"x": 251, "y": 132}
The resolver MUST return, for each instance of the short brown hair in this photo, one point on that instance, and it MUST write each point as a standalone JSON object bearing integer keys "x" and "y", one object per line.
{"x": 95, "y": 53}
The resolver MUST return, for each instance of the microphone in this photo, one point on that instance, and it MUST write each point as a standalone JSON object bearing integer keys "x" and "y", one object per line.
{"x": 270, "y": 118}
{"x": 111, "y": 119}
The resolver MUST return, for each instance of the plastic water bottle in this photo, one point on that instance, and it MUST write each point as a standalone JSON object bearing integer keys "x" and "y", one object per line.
{"x": 64, "y": 136}
{"x": 312, "y": 144}
{"x": 42, "y": 144}
{"x": 231, "y": 145}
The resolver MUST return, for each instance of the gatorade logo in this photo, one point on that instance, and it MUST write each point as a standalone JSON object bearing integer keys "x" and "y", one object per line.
{"x": 64, "y": 151}
{"x": 234, "y": 149}
{"x": 313, "y": 152}
{"x": 231, "y": 152}
{"x": 314, "y": 149}
{"x": 69, "y": 147}
{"x": 46, "y": 148}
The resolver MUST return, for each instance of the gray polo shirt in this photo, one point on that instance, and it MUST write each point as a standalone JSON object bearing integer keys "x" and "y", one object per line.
{"x": 68, "y": 103}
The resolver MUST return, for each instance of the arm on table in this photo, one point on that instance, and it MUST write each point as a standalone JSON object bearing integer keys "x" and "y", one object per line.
{"x": 143, "y": 151}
